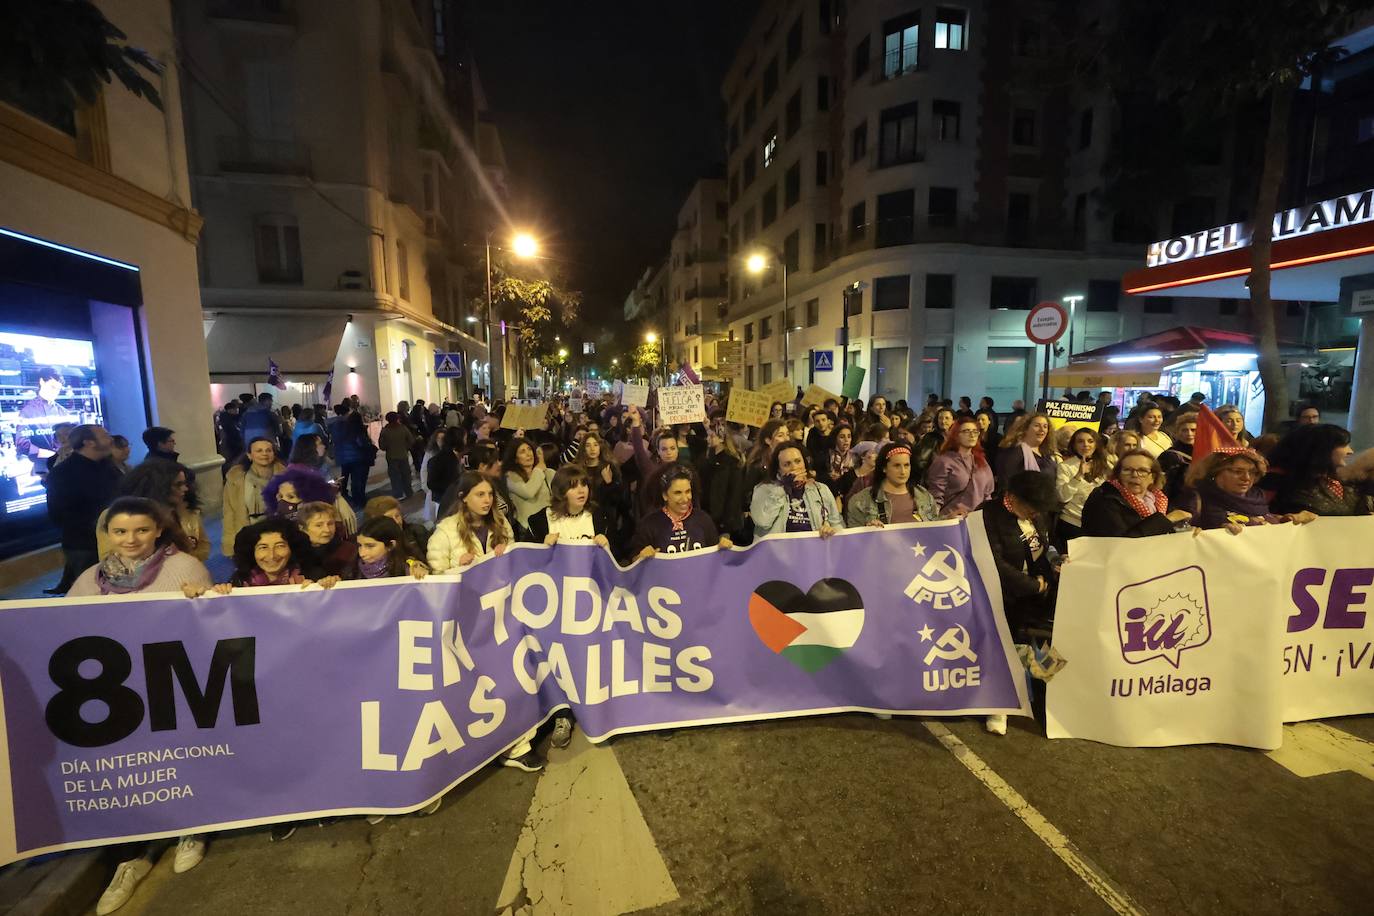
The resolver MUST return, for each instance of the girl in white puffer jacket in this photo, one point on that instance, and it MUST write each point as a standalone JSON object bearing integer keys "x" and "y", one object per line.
{"x": 474, "y": 527}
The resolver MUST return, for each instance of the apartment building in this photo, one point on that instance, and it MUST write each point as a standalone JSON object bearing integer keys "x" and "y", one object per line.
{"x": 343, "y": 159}
{"x": 924, "y": 177}
{"x": 697, "y": 279}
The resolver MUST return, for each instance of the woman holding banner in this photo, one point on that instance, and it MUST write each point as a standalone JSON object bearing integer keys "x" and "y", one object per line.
{"x": 571, "y": 515}
{"x": 1308, "y": 464}
{"x": 960, "y": 476}
{"x": 1132, "y": 503}
{"x": 894, "y": 496}
{"x": 791, "y": 501}
{"x": 1225, "y": 493}
{"x": 1079, "y": 475}
{"x": 676, "y": 526}
{"x": 473, "y": 526}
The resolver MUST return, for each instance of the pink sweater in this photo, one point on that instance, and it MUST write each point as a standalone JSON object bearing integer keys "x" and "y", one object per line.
{"x": 177, "y": 570}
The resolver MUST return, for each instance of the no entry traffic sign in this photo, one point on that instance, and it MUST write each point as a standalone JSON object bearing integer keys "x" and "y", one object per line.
{"x": 1047, "y": 322}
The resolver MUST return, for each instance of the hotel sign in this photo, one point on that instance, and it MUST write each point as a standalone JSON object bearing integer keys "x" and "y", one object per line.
{"x": 1306, "y": 220}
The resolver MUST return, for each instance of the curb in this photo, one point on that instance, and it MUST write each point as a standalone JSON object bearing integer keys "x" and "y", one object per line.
{"x": 65, "y": 886}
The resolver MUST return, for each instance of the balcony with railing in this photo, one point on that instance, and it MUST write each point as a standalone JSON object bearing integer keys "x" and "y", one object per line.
{"x": 708, "y": 291}
{"x": 239, "y": 153}
{"x": 704, "y": 256}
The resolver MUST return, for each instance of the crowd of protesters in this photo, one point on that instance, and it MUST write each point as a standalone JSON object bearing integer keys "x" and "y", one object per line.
{"x": 296, "y": 510}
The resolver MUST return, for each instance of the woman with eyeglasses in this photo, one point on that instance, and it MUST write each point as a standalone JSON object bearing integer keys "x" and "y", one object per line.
{"x": 1226, "y": 493}
{"x": 1132, "y": 503}
{"x": 960, "y": 477}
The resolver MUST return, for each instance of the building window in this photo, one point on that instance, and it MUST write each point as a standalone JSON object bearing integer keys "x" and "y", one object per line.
{"x": 891, "y": 293}
{"x": 813, "y": 312}
{"x": 732, "y": 141}
{"x": 822, "y": 93}
{"x": 854, "y": 302}
{"x": 769, "y": 208}
{"x": 791, "y": 186}
{"x": 1017, "y": 293}
{"x": 766, "y": 373}
{"x": 749, "y": 332}
{"x": 897, "y": 135}
{"x": 862, "y": 52}
{"x": 749, "y": 225}
{"x": 749, "y": 377}
{"x": 900, "y": 41}
{"x": 824, "y": 10}
{"x": 770, "y": 144}
{"x": 1018, "y": 214}
{"x": 403, "y": 270}
{"x": 896, "y": 218}
{"x": 1085, "y": 129}
{"x": 858, "y": 146}
{"x": 790, "y": 321}
{"x": 791, "y": 251}
{"x": 819, "y": 245}
{"x": 857, "y": 219}
{"x": 1192, "y": 214}
{"x": 1159, "y": 305}
{"x": 951, "y": 29}
{"x": 765, "y": 330}
{"x": 822, "y": 168}
{"x": 1103, "y": 295}
{"x": 791, "y": 118}
{"x": 734, "y": 239}
{"x": 770, "y": 80}
{"x": 696, "y": 353}
{"x": 750, "y": 112}
{"x": 1080, "y": 216}
{"x": 944, "y": 206}
{"x": 794, "y": 43}
{"x": 734, "y": 186}
{"x": 749, "y": 169}
{"x": 278, "y": 243}
{"x": 946, "y": 124}
{"x": 1023, "y": 127}
{"x": 939, "y": 291}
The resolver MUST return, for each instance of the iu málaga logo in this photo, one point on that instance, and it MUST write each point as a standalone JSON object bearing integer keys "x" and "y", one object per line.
{"x": 810, "y": 630}
{"x": 1164, "y": 616}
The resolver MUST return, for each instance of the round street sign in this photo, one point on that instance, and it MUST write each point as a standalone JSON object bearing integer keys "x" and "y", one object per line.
{"x": 1047, "y": 322}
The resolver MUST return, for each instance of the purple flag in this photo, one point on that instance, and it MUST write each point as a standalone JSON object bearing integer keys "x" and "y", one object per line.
{"x": 328, "y": 389}
{"x": 274, "y": 375}
{"x": 275, "y": 704}
{"x": 691, "y": 376}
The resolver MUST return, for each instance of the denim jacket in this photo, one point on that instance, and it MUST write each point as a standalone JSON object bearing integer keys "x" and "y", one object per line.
{"x": 768, "y": 508}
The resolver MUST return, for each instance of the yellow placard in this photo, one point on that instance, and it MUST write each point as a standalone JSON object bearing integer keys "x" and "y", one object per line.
{"x": 784, "y": 390}
{"x": 525, "y": 416}
{"x": 815, "y": 394}
{"x": 749, "y": 408}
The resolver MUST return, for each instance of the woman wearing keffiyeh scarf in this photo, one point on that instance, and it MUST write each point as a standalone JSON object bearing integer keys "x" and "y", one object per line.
{"x": 1132, "y": 502}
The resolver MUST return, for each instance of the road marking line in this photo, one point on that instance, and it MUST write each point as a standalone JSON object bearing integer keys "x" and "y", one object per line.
{"x": 1315, "y": 749}
{"x": 1091, "y": 873}
{"x": 584, "y": 847}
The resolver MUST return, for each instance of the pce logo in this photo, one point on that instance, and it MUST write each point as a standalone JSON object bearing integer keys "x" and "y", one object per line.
{"x": 1163, "y": 616}
{"x": 941, "y": 582}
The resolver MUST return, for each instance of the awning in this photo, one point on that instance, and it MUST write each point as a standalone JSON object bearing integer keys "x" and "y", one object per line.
{"x": 1101, "y": 374}
{"x": 240, "y": 345}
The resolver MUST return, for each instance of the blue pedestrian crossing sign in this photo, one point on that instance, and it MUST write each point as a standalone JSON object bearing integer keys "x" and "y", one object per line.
{"x": 822, "y": 360}
{"x": 448, "y": 365}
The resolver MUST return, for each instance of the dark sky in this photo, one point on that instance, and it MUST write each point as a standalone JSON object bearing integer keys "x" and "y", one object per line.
{"x": 608, "y": 112}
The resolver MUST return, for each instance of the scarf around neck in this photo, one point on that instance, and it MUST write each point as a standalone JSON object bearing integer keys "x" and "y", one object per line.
{"x": 676, "y": 520}
{"x": 374, "y": 569}
{"x": 1142, "y": 508}
{"x": 291, "y": 575}
{"x": 117, "y": 576}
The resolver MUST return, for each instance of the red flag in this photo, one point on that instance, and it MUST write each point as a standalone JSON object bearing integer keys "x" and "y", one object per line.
{"x": 1212, "y": 435}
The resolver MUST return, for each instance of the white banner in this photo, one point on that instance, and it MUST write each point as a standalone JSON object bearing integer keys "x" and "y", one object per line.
{"x": 1218, "y": 638}
{"x": 681, "y": 404}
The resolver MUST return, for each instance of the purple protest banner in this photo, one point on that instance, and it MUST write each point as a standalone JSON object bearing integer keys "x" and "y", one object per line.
{"x": 134, "y": 717}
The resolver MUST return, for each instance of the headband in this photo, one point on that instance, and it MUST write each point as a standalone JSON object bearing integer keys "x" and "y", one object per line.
{"x": 899, "y": 450}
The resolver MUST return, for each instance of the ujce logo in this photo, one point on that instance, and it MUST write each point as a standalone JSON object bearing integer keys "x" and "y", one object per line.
{"x": 1163, "y": 616}
{"x": 941, "y": 583}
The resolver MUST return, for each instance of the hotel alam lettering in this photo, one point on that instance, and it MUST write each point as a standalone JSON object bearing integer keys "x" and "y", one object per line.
{"x": 1318, "y": 217}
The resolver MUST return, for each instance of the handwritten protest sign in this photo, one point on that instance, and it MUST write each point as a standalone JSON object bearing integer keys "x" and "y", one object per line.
{"x": 682, "y": 404}
{"x": 748, "y": 407}
{"x": 781, "y": 390}
{"x": 815, "y": 394}
{"x": 524, "y": 416}
{"x": 635, "y": 395}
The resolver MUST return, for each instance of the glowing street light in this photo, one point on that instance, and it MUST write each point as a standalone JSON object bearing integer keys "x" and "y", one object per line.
{"x": 563, "y": 353}
{"x": 524, "y": 245}
{"x": 651, "y": 337}
{"x": 757, "y": 263}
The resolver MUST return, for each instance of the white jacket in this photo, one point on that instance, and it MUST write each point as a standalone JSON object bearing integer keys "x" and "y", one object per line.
{"x": 447, "y": 545}
{"x": 1073, "y": 490}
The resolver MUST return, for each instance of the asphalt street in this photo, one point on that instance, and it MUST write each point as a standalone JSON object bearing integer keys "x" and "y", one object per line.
{"x": 835, "y": 815}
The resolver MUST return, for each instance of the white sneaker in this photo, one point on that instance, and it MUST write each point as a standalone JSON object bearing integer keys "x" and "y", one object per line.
{"x": 996, "y": 725}
{"x": 126, "y": 878}
{"x": 190, "y": 850}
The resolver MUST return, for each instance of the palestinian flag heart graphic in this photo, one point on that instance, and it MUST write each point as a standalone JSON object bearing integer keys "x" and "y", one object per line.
{"x": 809, "y": 630}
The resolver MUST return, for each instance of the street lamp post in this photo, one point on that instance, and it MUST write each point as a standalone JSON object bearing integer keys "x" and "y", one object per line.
{"x": 524, "y": 246}
{"x": 1073, "y": 303}
{"x": 756, "y": 264}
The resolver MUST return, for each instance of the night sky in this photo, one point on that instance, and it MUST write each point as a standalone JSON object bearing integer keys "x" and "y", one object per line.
{"x": 608, "y": 112}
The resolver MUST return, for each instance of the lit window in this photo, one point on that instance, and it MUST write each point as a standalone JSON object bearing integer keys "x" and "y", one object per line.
{"x": 899, "y": 47}
{"x": 770, "y": 149}
{"x": 950, "y": 26}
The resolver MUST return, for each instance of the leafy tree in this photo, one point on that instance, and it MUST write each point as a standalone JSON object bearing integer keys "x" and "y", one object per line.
{"x": 1219, "y": 62}
{"x": 541, "y": 308}
{"x": 55, "y": 55}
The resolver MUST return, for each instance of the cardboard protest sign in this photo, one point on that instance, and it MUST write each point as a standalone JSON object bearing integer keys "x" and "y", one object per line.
{"x": 815, "y": 394}
{"x": 524, "y": 416}
{"x": 784, "y": 390}
{"x": 681, "y": 404}
{"x": 633, "y": 395}
{"x": 748, "y": 407}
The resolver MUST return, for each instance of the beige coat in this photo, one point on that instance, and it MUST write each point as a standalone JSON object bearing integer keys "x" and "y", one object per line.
{"x": 235, "y": 513}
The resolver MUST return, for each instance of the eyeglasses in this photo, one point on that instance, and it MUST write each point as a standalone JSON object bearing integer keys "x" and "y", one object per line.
{"x": 1241, "y": 472}
{"x": 1137, "y": 472}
